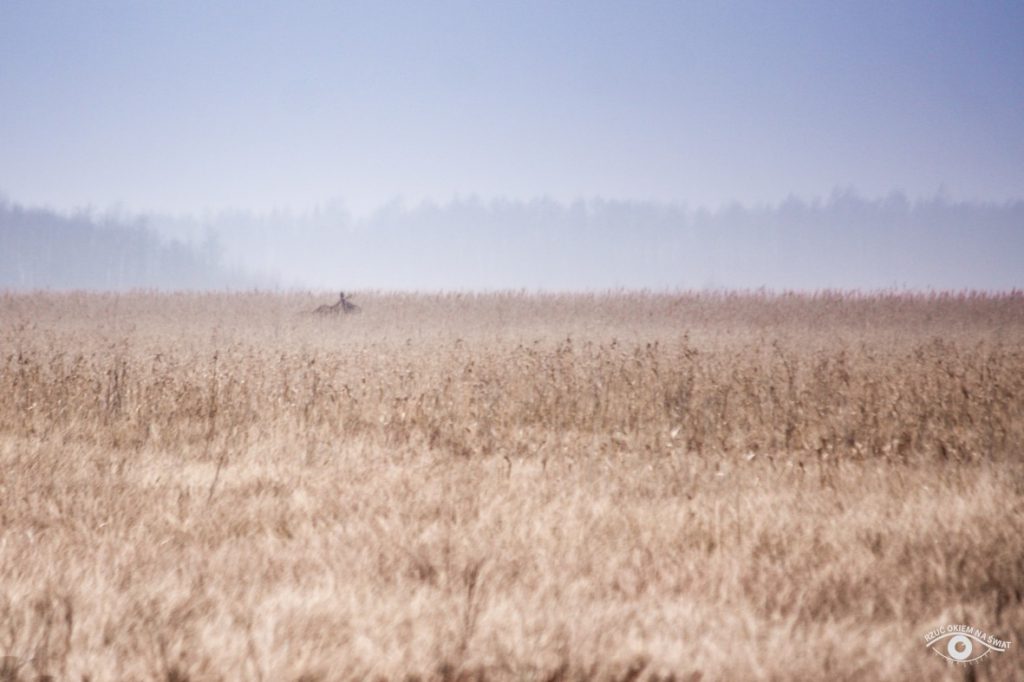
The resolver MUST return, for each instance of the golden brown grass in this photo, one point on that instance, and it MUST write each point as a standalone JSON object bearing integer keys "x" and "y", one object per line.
{"x": 552, "y": 487}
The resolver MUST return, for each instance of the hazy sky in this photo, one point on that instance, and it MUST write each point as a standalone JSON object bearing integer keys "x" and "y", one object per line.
{"x": 189, "y": 106}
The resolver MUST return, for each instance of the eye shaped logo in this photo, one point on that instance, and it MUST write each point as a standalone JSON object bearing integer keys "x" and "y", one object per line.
{"x": 963, "y": 644}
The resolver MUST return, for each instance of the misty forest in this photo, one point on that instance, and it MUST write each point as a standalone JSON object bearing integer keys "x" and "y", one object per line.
{"x": 844, "y": 242}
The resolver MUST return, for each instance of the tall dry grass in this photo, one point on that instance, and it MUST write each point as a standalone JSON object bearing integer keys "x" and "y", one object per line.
{"x": 509, "y": 486}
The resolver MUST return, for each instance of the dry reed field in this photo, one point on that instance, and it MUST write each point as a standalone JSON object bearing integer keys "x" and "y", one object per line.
{"x": 625, "y": 486}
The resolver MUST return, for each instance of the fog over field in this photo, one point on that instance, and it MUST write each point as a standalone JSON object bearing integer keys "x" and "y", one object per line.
{"x": 843, "y": 242}
{"x": 522, "y": 145}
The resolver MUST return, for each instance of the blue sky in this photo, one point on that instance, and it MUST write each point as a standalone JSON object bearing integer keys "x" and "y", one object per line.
{"x": 186, "y": 107}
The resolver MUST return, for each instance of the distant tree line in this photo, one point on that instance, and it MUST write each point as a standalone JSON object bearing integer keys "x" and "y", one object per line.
{"x": 844, "y": 241}
{"x": 42, "y": 249}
